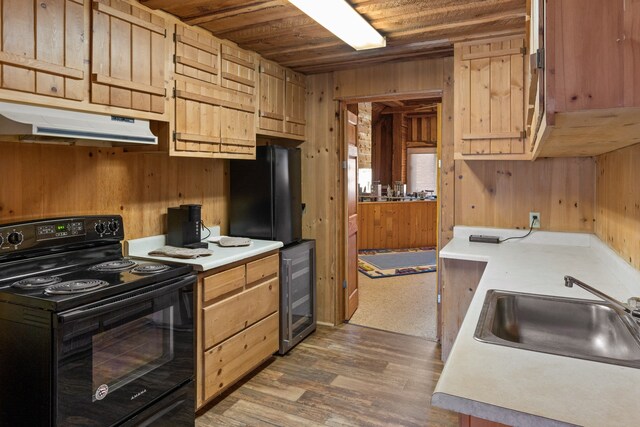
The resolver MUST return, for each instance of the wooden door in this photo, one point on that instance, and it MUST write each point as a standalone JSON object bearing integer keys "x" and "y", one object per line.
{"x": 42, "y": 45}
{"x": 489, "y": 99}
{"x": 351, "y": 294}
{"x": 272, "y": 98}
{"x": 128, "y": 57}
{"x": 295, "y": 104}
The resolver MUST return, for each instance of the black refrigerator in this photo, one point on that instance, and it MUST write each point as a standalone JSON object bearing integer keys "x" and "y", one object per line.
{"x": 265, "y": 200}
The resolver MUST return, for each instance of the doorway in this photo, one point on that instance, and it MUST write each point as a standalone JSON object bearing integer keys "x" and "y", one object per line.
{"x": 391, "y": 208}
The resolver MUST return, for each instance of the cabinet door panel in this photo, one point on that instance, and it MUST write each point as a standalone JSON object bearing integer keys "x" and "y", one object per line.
{"x": 232, "y": 359}
{"x": 238, "y": 133}
{"x": 238, "y": 69}
{"x": 272, "y": 97}
{"x": 197, "y": 120}
{"x": 231, "y": 315}
{"x": 295, "y": 104}
{"x": 490, "y": 98}
{"x": 197, "y": 55}
{"x": 42, "y": 47}
{"x": 128, "y": 59}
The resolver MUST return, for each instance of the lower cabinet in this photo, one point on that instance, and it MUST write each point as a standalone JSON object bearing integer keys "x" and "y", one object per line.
{"x": 238, "y": 322}
{"x": 460, "y": 279}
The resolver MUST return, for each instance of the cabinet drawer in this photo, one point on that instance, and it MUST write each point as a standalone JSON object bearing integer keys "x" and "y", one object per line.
{"x": 232, "y": 359}
{"x": 263, "y": 268}
{"x": 222, "y": 283}
{"x": 229, "y": 316}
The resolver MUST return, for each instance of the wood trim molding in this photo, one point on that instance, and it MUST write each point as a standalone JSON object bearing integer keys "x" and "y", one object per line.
{"x": 195, "y": 64}
{"x": 238, "y": 79}
{"x": 42, "y": 66}
{"x": 139, "y": 87}
{"x": 198, "y": 45}
{"x": 236, "y": 60}
{"x": 103, "y": 8}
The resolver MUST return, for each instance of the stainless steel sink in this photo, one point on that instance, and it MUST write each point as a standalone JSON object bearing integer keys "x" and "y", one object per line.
{"x": 583, "y": 329}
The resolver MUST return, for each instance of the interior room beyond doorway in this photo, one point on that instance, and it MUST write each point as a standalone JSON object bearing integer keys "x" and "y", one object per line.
{"x": 397, "y": 213}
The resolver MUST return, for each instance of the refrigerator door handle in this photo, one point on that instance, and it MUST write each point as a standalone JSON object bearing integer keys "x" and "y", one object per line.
{"x": 289, "y": 290}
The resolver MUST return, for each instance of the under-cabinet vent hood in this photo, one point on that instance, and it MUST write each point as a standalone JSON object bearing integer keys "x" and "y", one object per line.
{"x": 40, "y": 124}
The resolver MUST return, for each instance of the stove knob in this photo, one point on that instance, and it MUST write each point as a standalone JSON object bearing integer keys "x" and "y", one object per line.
{"x": 100, "y": 228}
{"x": 15, "y": 238}
{"x": 113, "y": 226}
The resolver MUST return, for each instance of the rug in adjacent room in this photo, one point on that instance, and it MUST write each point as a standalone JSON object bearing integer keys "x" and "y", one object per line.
{"x": 377, "y": 263}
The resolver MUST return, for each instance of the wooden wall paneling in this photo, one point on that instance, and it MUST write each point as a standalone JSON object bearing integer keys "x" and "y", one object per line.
{"x": 128, "y": 56}
{"x": 390, "y": 79}
{"x": 618, "y": 202}
{"x": 502, "y": 193}
{"x": 364, "y": 135}
{"x": 271, "y": 112}
{"x": 42, "y": 47}
{"x": 398, "y": 150}
{"x": 295, "y": 120}
{"x": 446, "y": 197}
{"x": 397, "y": 225}
{"x": 140, "y": 187}
{"x": 321, "y": 183}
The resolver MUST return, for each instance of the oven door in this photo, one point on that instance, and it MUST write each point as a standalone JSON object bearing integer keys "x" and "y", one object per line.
{"x": 119, "y": 355}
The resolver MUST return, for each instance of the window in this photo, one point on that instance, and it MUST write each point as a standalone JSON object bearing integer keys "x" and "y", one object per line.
{"x": 422, "y": 170}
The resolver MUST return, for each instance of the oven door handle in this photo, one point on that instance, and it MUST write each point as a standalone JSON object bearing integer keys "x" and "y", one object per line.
{"x": 123, "y": 301}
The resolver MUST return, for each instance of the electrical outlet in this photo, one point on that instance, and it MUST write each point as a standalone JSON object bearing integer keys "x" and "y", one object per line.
{"x": 534, "y": 218}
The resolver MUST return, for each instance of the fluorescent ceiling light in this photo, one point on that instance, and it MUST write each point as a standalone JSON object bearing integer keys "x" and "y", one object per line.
{"x": 343, "y": 21}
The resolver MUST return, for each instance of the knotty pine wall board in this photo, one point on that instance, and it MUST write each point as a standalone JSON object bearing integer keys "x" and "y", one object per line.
{"x": 502, "y": 193}
{"x": 618, "y": 202}
{"x": 42, "y": 180}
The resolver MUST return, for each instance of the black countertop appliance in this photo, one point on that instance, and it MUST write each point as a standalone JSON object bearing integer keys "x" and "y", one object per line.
{"x": 265, "y": 200}
{"x": 184, "y": 225}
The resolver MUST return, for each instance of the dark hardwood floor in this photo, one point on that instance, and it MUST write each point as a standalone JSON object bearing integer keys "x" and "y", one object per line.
{"x": 343, "y": 376}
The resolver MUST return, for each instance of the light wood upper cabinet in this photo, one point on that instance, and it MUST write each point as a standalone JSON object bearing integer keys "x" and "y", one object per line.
{"x": 128, "y": 57}
{"x": 42, "y": 47}
{"x": 282, "y": 102}
{"x": 272, "y": 97}
{"x": 489, "y": 99}
{"x": 295, "y": 104}
{"x": 214, "y": 115}
{"x": 587, "y": 95}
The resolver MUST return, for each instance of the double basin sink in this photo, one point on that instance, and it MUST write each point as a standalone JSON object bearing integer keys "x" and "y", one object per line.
{"x": 584, "y": 329}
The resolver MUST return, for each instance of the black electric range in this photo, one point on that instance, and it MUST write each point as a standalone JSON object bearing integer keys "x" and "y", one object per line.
{"x": 101, "y": 339}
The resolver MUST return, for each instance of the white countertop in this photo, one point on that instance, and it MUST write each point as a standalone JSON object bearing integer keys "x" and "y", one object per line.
{"x": 140, "y": 248}
{"x": 526, "y": 388}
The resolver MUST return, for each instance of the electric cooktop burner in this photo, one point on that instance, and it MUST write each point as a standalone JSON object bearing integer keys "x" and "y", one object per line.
{"x": 75, "y": 287}
{"x": 36, "y": 282}
{"x": 150, "y": 268}
{"x": 116, "y": 265}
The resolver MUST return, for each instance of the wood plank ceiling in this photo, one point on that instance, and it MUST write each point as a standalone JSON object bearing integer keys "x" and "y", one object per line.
{"x": 414, "y": 28}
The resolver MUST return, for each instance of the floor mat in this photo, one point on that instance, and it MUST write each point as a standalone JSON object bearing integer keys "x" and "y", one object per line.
{"x": 378, "y": 263}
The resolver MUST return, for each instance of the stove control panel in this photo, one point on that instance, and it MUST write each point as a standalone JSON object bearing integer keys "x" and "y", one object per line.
{"x": 43, "y": 234}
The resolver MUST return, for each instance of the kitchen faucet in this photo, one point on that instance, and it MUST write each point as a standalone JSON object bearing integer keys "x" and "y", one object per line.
{"x": 628, "y": 309}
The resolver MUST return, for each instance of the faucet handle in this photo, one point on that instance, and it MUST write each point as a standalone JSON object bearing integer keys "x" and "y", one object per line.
{"x": 634, "y": 302}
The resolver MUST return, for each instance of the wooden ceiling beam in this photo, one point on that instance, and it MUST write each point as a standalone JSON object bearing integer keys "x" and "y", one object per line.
{"x": 419, "y": 48}
{"x": 234, "y": 12}
{"x": 504, "y": 16}
{"x": 346, "y": 64}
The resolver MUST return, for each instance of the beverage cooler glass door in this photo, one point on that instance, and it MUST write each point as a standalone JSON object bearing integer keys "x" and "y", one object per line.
{"x": 298, "y": 292}
{"x": 117, "y": 356}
